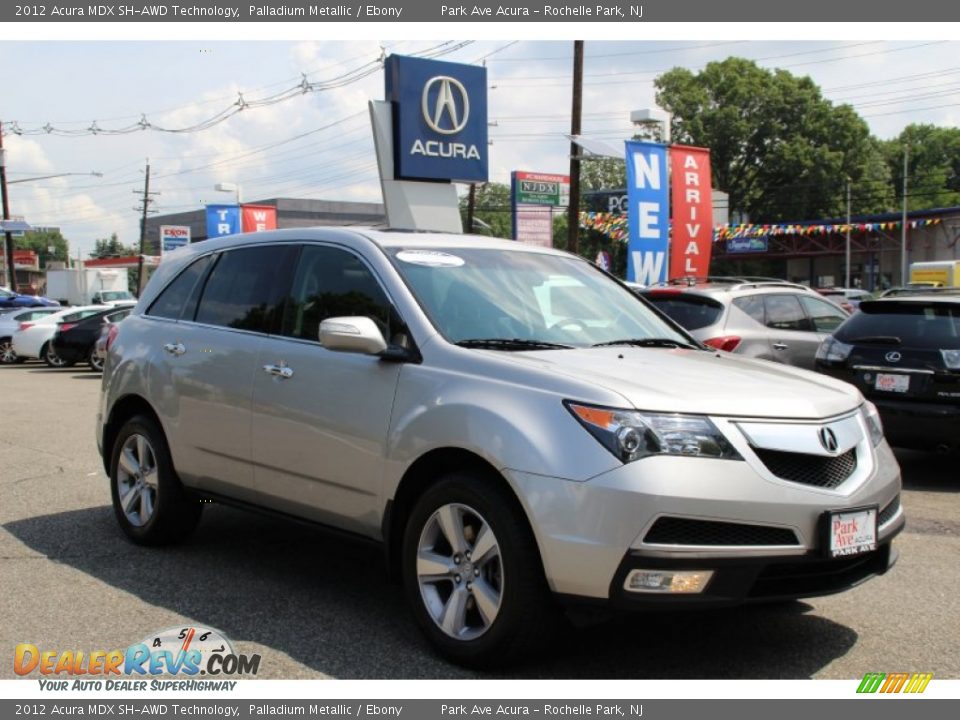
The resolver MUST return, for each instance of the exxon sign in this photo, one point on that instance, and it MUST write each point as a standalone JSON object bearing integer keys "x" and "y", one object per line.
{"x": 439, "y": 119}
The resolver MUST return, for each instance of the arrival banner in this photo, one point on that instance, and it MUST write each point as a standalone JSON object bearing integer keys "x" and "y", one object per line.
{"x": 222, "y": 220}
{"x": 692, "y": 211}
{"x": 257, "y": 218}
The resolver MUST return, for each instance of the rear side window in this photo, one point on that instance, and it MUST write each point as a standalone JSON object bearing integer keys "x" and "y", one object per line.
{"x": 176, "y": 297}
{"x": 691, "y": 312}
{"x": 784, "y": 313}
{"x": 909, "y": 324}
{"x": 79, "y": 315}
{"x": 752, "y": 305}
{"x": 241, "y": 292}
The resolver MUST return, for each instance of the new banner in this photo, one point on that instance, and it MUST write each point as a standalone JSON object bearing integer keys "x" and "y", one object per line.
{"x": 648, "y": 213}
{"x": 257, "y": 218}
{"x": 222, "y": 220}
{"x": 692, "y": 212}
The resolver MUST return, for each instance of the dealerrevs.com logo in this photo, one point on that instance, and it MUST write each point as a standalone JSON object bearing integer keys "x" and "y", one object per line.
{"x": 182, "y": 652}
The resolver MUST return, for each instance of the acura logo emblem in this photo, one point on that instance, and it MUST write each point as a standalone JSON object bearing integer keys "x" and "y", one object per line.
{"x": 451, "y": 103}
{"x": 893, "y": 356}
{"x": 828, "y": 439}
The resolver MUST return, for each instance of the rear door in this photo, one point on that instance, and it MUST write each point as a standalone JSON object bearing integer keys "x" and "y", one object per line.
{"x": 791, "y": 334}
{"x": 210, "y": 353}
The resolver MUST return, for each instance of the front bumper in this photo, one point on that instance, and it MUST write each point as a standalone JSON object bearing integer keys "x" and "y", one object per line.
{"x": 591, "y": 533}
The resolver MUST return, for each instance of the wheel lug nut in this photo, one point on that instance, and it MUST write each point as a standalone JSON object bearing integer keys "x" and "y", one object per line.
{"x": 457, "y": 559}
{"x": 467, "y": 554}
{"x": 476, "y": 572}
{"x": 458, "y": 579}
{"x": 469, "y": 586}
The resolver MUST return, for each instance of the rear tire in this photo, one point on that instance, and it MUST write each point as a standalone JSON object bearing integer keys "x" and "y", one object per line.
{"x": 485, "y": 603}
{"x": 95, "y": 362}
{"x": 7, "y": 355}
{"x": 149, "y": 502}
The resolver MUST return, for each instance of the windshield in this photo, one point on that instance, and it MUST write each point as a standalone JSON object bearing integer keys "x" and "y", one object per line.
{"x": 525, "y": 297}
{"x": 116, "y": 295}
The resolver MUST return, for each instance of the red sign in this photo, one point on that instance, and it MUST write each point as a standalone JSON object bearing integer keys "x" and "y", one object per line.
{"x": 692, "y": 211}
{"x": 256, "y": 218}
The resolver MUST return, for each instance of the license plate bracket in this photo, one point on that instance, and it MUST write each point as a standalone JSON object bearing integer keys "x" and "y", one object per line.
{"x": 892, "y": 382}
{"x": 848, "y": 532}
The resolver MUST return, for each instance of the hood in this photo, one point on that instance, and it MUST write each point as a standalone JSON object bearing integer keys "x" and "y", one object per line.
{"x": 692, "y": 381}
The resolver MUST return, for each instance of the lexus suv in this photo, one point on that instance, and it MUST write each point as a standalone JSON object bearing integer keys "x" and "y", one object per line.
{"x": 904, "y": 354}
{"x": 518, "y": 429}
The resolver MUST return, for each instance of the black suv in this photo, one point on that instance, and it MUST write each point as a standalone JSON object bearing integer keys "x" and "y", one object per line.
{"x": 904, "y": 355}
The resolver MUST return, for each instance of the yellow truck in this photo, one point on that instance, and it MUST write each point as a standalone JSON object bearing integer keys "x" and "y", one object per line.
{"x": 940, "y": 273}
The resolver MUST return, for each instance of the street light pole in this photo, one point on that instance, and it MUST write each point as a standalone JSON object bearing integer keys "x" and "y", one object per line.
{"x": 7, "y": 235}
{"x": 846, "y": 283}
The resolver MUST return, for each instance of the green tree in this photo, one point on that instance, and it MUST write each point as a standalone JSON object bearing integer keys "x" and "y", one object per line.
{"x": 933, "y": 165}
{"x": 778, "y": 147}
{"x": 41, "y": 243}
{"x": 112, "y": 247}
{"x": 491, "y": 210}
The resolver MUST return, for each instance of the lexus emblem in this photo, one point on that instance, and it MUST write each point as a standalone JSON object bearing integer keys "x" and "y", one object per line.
{"x": 893, "y": 356}
{"x": 452, "y": 101}
{"x": 828, "y": 439}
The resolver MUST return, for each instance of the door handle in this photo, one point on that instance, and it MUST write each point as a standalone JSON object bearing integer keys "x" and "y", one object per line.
{"x": 175, "y": 349}
{"x": 281, "y": 371}
{"x": 780, "y": 346}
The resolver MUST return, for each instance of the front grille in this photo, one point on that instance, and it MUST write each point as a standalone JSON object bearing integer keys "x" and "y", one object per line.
{"x": 818, "y": 470}
{"x": 684, "y": 531}
{"x": 886, "y": 515}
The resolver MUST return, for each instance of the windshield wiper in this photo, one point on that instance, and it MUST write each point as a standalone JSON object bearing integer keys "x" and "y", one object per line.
{"x": 649, "y": 342}
{"x": 878, "y": 340}
{"x": 511, "y": 344}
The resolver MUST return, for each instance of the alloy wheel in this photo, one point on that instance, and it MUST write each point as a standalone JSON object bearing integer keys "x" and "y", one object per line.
{"x": 137, "y": 480}
{"x": 459, "y": 571}
{"x": 7, "y": 355}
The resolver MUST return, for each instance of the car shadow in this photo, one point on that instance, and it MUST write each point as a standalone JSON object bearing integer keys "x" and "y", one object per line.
{"x": 326, "y": 603}
{"x": 928, "y": 471}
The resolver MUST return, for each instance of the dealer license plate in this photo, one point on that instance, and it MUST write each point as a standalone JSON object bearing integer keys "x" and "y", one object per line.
{"x": 853, "y": 532}
{"x": 892, "y": 383}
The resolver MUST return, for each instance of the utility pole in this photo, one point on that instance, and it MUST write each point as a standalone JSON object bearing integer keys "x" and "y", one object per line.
{"x": 846, "y": 284}
{"x": 143, "y": 209}
{"x": 903, "y": 222}
{"x": 7, "y": 235}
{"x": 573, "y": 210}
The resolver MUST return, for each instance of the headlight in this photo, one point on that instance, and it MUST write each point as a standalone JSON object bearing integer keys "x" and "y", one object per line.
{"x": 833, "y": 350}
{"x": 632, "y": 435}
{"x": 872, "y": 416}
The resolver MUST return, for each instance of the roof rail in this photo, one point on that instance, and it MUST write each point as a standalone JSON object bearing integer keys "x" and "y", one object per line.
{"x": 771, "y": 283}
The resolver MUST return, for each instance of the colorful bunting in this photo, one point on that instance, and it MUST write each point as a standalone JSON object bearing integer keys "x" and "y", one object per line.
{"x": 614, "y": 226}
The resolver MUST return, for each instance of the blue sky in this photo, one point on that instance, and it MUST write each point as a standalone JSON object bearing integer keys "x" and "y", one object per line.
{"x": 322, "y": 146}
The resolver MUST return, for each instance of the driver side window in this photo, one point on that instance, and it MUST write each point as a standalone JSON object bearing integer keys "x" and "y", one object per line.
{"x": 330, "y": 282}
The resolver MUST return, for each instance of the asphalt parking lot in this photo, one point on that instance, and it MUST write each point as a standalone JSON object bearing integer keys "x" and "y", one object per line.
{"x": 317, "y": 606}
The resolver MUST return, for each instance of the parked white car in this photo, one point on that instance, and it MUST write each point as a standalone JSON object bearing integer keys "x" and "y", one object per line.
{"x": 32, "y": 339}
{"x": 10, "y": 322}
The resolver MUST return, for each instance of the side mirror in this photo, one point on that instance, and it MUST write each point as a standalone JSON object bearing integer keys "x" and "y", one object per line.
{"x": 352, "y": 334}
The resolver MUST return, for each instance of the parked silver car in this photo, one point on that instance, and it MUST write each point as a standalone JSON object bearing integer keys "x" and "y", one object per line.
{"x": 766, "y": 320}
{"x": 10, "y": 322}
{"x": 514, "y": 426}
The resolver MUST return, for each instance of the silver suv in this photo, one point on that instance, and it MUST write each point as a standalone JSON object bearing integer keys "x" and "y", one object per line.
{"x": 762, "y": 319}
{"x": 516, "y": 428}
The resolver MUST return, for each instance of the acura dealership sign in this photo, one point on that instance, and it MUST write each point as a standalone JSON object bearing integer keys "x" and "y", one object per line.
{"x": 439, "y": 119}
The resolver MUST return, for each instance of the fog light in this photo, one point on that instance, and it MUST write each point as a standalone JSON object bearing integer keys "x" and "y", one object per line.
{"x": 667, "y": 581}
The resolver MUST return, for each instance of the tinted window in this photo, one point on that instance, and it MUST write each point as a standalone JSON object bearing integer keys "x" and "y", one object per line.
{"x": 330, "y": 282}
{"x": 910, "y": 324}
{"x": 784, "y": 313}
{"x": 690, "y": 311}
{"x": 240, "y": 290}
{"x": 826, "y": 317}
{"x": 79, "y": 315}
{"x": 752, "y": 306}
{"x": 177, "y": 295}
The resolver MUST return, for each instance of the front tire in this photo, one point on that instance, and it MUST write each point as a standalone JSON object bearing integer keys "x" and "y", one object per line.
{"x": 149, "y": 502}
{"x": 472, "y": 572}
